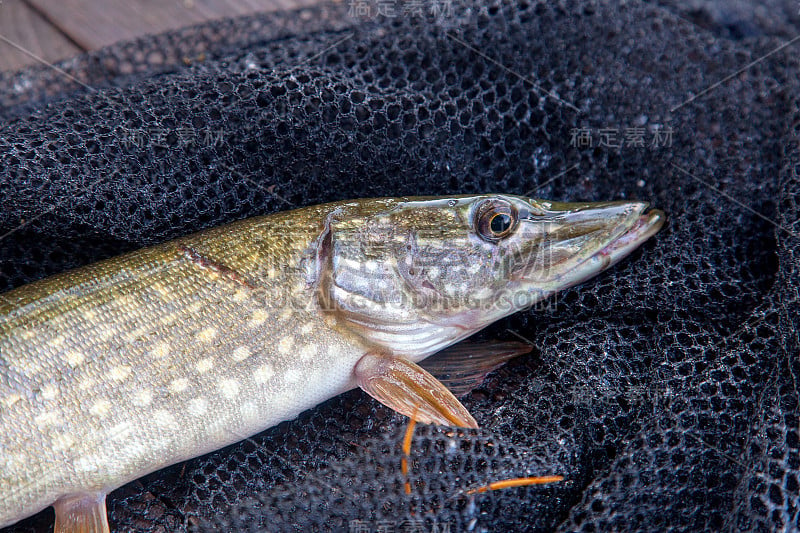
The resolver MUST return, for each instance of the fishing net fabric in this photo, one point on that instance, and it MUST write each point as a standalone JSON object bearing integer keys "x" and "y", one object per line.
{"x": 665, "y": 391}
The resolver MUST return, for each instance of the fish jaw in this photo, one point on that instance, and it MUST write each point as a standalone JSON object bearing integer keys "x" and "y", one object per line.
{"x": 645, "y": 226}
{"x": 583, "y": 240}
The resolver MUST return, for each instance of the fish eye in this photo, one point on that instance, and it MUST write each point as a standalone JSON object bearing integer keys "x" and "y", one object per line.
{"x": 500, "y": 223}
{"x": 495, "y": 220}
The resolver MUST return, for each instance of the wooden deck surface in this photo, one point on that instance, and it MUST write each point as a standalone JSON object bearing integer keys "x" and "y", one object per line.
{"x": 51, "y": 30}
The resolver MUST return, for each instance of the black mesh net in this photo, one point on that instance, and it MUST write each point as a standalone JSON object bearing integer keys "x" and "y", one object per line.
{"x": 665, "y": 390}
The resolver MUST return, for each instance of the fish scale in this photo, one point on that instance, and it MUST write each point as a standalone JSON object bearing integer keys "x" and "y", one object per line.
{"x": 126, "y": 366}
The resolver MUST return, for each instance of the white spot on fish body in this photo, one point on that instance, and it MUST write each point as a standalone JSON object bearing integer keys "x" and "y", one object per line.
{"x": 143, "y": 398}
{"x": 433, "y": 272}
{"x": 87, "y": 383}
{"x": 306, "y": 329}
{"x": 100, "y": 408}
{"x": 120, "y": 372}
{"x": 49, "y": 391}
{"x": 29, "y": 366}
{"x": 160, "y": 350}
{"x": 258, "y": 318}
{"x": 263, "y": 373}
{"x": 11, "y": 399}
{"x": 198, "y": 406}
{"x": 483, "y": 293}
{"x": 229, "y": 388}
{"x": 48, "y": 418}
{"x": 57, "y": 342}
{"x": 163, "y": 292}
{"x": 61, "y": 442}
{"x": 285, "y": 345}
{"x": 307, "y": 351}
{"x": 205, "y": 364}
{"x": 163, "y": 418}
{"x": 86, "y": 463}
{"x": 207, "y": 335}
{"x": 105, "y": 333}
{"x": 178, "y": 385}
{"x": 350, "y": 264}
{"x": 241, "y": 353}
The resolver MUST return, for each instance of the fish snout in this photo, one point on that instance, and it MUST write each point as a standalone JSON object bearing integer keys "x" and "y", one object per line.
{"x": 567, "y": 243}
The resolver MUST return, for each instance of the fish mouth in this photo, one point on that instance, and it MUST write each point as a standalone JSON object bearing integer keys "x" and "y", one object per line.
{"x": 579, "y": 240}
{"x": 645, "y": 226}
{"x": 638, "y": 227}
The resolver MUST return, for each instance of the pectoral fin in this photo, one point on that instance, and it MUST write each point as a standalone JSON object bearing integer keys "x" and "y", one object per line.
{"x": 410, "y": 390}
{"x": 464, "y": 366}
{"x": 81, "y": 513}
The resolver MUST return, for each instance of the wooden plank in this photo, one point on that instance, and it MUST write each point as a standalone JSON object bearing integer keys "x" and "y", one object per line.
{"x": 21, "y": 25}
{"x": 97, "y": 23}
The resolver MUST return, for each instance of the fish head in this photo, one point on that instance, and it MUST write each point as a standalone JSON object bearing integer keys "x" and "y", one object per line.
{"x": 418, "y": 274}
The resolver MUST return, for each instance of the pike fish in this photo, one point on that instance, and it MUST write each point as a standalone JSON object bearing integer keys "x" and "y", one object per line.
{"x": 120, "y": 368}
